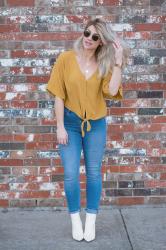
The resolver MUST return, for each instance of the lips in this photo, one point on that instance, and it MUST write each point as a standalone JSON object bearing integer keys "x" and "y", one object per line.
{"x": 88, "y": 43}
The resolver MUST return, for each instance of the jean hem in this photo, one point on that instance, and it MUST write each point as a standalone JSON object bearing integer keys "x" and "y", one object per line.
{"x": 93, "y": 211}
{"x": 75, "y": 211}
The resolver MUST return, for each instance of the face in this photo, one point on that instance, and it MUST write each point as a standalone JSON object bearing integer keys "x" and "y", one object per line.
{"x": 91, "y": 39}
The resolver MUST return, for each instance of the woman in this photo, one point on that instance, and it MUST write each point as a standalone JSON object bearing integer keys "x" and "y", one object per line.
{"x": 81, "y": 78}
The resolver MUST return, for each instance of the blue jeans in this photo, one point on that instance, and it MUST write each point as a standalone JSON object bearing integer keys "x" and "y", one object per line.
{"x": 93, "y": 145}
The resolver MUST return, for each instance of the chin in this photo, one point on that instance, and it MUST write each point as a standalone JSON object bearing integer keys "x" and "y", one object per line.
{"x": 87, "y": 47}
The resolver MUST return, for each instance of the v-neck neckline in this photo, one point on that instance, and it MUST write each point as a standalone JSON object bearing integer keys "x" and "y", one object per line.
{"x": 78, "y": 66}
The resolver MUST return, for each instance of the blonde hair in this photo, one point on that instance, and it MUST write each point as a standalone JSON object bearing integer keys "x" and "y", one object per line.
{"x": 105, "y": 53}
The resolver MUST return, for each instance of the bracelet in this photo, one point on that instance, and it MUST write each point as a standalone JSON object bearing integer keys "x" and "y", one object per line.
{"x": 117, "y": 65}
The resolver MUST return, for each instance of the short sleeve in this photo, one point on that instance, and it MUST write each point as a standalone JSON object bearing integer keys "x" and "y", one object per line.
{"x": 56, "y": 84}
{"x": 105, "y": 89}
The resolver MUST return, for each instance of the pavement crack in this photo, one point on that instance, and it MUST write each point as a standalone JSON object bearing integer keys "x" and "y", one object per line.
{"x": 126, "y": 229}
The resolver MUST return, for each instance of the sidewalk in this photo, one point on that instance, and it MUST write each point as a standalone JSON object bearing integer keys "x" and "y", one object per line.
{"x": 117, "y": 228}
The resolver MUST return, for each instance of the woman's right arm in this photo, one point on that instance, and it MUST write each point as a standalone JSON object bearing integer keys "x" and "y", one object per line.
{"x": 62, "y": 135}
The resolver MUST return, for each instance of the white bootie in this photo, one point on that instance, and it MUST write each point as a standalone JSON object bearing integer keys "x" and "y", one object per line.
{"x": 77, "y": 231}
{"x": 89, "y": 233}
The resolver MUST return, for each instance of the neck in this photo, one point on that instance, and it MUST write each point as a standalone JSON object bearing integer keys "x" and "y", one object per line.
{"x": 88, "y": 55}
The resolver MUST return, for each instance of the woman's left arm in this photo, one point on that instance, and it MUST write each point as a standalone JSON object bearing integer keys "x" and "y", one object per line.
{"x": 116, "y": 77}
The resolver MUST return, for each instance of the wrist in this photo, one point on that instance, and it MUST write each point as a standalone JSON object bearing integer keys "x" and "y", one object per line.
{"x": 118, "y": 65}
{"x": 119, "y": 62}
{"x": 60, "y": 125}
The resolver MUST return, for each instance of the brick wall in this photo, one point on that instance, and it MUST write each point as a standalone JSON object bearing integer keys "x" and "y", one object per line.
{"x": 33, "y": 33}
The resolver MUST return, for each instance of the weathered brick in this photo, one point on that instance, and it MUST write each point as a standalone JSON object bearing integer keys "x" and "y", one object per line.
{"x": 158, "y": 52}
{"x": 37, "y": 129}
{"x": 108, "y": 2}
{"x": 11, "y": 146}
{"x": 34, "y": 27}
{"x": 51, "y": 3}
{"x": 146, "y": 60}
{"x": 156, "y": 2}
{"x": 32, "y": 35}
{"x": 133, "y": 3}
{"x": 150, "y": 111}
{"x": 159, "y": 35}
{"x": 150, "y": 94}
{"x": 144, "y": 192}
{"x": 22, "y": 203}
{"x": 19, "y": 19}
{"x": 118, "y": 192}
{"x": 2, "y": 3}
{"x": 56, "y": 19}
{"x": 137, "y": 35}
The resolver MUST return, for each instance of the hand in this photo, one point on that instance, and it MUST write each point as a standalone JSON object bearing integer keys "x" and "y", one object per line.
{"x": 62, "y": 135}
{"x": 118, "y": 52}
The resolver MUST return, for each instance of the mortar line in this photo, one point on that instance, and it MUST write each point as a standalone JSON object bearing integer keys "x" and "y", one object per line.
{"x": 124, "y": 224}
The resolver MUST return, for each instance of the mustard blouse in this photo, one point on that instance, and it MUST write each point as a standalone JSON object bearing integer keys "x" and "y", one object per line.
{"x": 80, "y": 95}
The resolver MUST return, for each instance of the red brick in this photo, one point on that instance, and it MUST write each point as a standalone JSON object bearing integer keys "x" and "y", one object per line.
{"x": 118, "y": 111}
{"x": 148, "y": 27}
{"x": 21, "y": 70}
{"x": 39, "y": 145}
{"x": 4, "y": 104}
{"x": 77, "y": 19}
{"x": 130, "y": 201}
{"x": 4, "y": 203}
{"x": 116, "y": 128}
{"x": 127, "y": 169}
{"x": 148, "y": 128}
{"x": 48, "y": 121}
{"x": 28, "y": 194}
{"x": 24, "y": 154}
{"x": 24, "y": 137}
{"x": 33, "y": 178}
{"x": 9, "y": 28}
{"x": 154, "y": 183}
{"x": 4, "y": 186}
{"x": 23, "y": 53}
{"x": 157, "y": 86}
{"x": 113, "y": 136}
{"x": 20, "y": 2}
{"x": 163, "y": 176}
{"x": 24, "y": 104}
{"x": 11, "y": 162}
{"x": 36, "y": 162}
{"x": 137, "y": 35}
{"x": 5, "y": 138}
{"x": 37, "y": 79}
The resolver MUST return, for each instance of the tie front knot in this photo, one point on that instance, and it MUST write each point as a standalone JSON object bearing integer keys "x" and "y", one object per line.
{"x": 88, "y": 126}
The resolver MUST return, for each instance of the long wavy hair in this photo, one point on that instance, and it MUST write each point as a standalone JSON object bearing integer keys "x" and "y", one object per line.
{"x": 105, "y": 53}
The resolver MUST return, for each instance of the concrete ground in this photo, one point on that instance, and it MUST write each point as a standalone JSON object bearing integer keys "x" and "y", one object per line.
{"x": 117, "y": 228}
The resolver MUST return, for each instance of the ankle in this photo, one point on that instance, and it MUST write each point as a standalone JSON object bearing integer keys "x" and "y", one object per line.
{"x": 90, "y": 217}
{"x": 75, "y": 216}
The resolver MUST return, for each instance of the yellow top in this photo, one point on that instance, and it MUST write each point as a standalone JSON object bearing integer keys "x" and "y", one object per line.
{"x": 80, "y": 95}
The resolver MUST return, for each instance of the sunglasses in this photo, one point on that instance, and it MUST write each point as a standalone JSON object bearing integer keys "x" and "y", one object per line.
{"x": 95, "y": 37}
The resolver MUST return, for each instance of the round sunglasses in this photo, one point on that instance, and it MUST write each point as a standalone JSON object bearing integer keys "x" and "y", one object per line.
{"x": 95, "y": 37}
